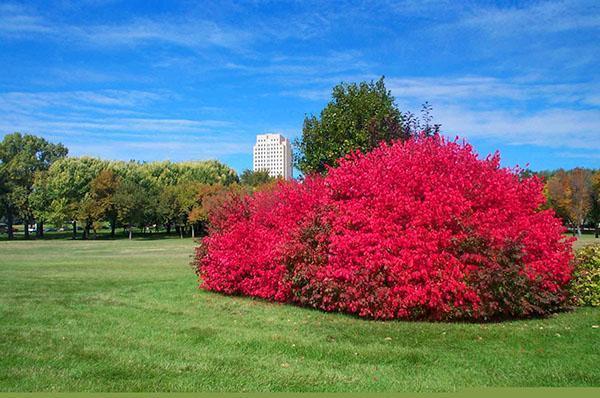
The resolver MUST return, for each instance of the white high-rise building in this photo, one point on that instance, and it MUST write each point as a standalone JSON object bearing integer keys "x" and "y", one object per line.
{"x": 273, "y": 152}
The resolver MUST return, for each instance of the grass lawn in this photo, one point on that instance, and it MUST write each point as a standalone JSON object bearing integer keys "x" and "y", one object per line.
{"x": 126, "y": 316}
{"x": 584, "y": 240}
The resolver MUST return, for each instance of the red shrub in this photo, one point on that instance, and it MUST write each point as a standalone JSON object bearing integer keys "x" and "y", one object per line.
{"x": 421, "y": 229}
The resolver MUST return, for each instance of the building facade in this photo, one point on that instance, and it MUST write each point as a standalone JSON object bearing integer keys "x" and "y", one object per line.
{"x": 273, "y": 153}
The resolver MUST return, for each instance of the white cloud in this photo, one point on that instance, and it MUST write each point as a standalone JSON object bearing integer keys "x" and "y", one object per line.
{"x": 116, "y": 123}
{"x": 475, "y": 88}
{"x": 556, "y": 128}
{"x": 186, "y": 33}
{"x": 531, "y": 111}
{"x": 163, "y": 150}
{"x": 538, "y": 17}
{"x": 17, "y": 21}
{"x": 20, "y": 22}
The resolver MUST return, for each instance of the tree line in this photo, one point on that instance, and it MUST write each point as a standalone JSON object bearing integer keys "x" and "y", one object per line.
{"x": 40, "y": 185}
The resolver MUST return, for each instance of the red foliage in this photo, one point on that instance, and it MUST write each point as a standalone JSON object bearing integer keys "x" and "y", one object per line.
{"x": 421, "y": 229}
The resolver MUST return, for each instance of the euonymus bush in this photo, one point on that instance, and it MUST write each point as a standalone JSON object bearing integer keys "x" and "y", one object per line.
{"x": 421, "y": 229}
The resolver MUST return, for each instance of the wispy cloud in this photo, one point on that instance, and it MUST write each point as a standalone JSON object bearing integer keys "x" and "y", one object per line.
{"x": 196, "y": 33}
{"x": 532, "y": 112}
{"x": 113, "y": 122}
{"x": 103, "y": 101}
{"x": 476, "y": 88}
{"x": 537, "y": 17}
{"x": 17, "y": 21}
{"x": 554, "y": 128}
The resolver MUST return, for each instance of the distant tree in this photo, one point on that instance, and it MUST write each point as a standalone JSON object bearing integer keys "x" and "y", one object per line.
{"x": 595, "y": 203}
{"x": 206, "y": 172}
{"x": 175, "y": 204}
{"x": 255, "y": 178}
{"x": 103, "y": 190}
{"x": 68, "y": 184}
{"x": 40, "y": 201}
{"x": 3, "y": 192}
{"x": 198, "y": 215}
{"x": 21, "y": 157}
{"x": 89, "y": 215}
{"x": 569, "y": 195}
{"x": 131, "y": 200}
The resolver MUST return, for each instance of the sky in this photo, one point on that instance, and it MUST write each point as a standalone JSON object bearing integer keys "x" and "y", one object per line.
{"x": 188, "y": 80}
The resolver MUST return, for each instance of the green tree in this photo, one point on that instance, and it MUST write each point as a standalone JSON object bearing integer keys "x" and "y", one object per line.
{"x": 595, "y": 203}
{"x": 359, "y": 116}
{"x": 40, "y": 201}
{"x": 68, "y": 184}
{"x": 176, "y": 202}
{"x": 21, "y": 157}
{"x": 255, "y": 178}
{"x": 102, "y": 197}
{"x": 131, "y": 199}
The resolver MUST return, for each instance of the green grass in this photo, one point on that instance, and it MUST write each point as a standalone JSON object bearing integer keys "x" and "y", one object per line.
{"x": 126, "y": 316}
{"x": 584, "y": 240}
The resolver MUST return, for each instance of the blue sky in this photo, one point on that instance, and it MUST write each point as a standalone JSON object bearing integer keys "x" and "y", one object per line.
{"x": 186, "y": 80}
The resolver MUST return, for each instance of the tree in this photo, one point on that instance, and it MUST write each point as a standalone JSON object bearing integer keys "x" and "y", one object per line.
{"x": 68, "y": 184}
{"x": 255, "y": 178}
{"x": 131, "y": 200}
{"x": 89, "y": 215}
{"x": 359, "y": 116}
{"x": 40, "y": 201}
{"x": 595, "y": 203}
{"x": 103, "y": 190}
{"x": 204, "y": 201}
{"x": 414, "y": 125}
{"x": 176, "y": 202}
{"x": 21, "y": 157}
{"x": 569, "y": 194}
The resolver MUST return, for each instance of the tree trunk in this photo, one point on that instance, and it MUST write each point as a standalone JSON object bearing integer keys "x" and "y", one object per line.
{"x": 74, "y": 230}
{"x": 26, "y": 230}
{"x": 130, "y": 232}
{"x": 86, "y": 230}
{"x": 40, "y": 229}
{"x": 193, "y": 231}
{"x": 113, "y": 226}
{"x": 9, "y": 224}
{"x": 168, "y": 228}
{"x": 181, "y": 232}
{"x": 597, "y": 231}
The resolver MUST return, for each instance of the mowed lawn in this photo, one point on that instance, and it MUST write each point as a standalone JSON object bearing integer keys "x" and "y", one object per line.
{"x": 127, "y": 316}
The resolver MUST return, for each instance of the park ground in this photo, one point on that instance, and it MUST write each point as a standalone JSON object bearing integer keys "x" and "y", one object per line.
{"x": 127, "y": 316}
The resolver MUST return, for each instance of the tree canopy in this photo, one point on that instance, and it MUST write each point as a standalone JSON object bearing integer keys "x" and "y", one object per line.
{"x": 359, "y": 116}
{"x": 22, "y": 156}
